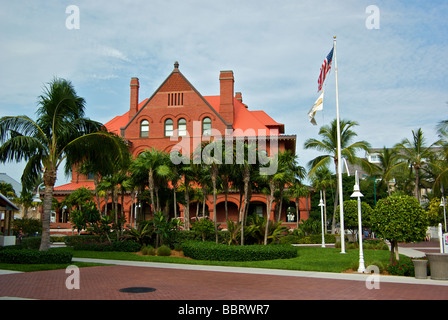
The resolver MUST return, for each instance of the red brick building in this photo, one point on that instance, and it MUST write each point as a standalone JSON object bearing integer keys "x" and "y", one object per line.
{"x": 177, "y": 116}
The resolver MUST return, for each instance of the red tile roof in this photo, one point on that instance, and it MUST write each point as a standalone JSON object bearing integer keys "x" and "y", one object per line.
{"x": 119, "y": 122}
{"x": 246, "y": 119}
{"x": 75, "y": 185}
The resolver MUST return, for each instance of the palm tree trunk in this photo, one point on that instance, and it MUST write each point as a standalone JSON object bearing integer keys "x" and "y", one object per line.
{"x": 417, "y": 182}
{"x": 268, "y": 212}
{"x": 246, "y": 179}
{"x": 151, "y": 189}
{"x": 214, "y": 204}
{"x": 97, "y": 195}
{"x": 49, "y": 181}
{"x": 175, "y": 202}
{"x": 187, "y": 205}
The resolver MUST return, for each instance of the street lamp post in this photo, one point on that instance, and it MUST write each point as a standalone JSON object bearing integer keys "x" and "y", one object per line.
{"x": 442, "y": 204}
{"x": 321, "y": 205}
{"x": 36, "y": 197}
{"x": 357, "y": 194}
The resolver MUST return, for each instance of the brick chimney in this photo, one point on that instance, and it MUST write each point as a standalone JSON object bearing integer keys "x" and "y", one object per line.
{"x": 226, "y": 81}
{"x": 135, "y": 85}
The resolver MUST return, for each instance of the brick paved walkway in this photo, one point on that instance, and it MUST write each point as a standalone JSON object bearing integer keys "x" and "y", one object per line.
{"x": 104, "y": 283}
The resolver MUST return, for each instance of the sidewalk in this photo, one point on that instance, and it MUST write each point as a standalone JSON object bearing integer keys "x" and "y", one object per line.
{"x": 180, "y": 282}
{"x": 273, "y": 272}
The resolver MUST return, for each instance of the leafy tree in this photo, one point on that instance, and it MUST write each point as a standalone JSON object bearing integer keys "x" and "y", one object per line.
{"x": 204, "y": 227}
{"x": 351, "y": 214}
{"x": 7, "y": 190}
{"x": 27, "y": 226}
{"x": 399, "y": 218}
{"x": 87, "y": 214}
{"x": 435, "y": 212}
{"x": 60, "y": 133}
{"x": 79, "y": 197}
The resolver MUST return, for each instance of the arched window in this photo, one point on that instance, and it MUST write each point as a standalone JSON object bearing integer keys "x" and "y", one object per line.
{"x": 168, "y": 128}
{"x": 182, "y": 127}
{"x": 206, "y": 127}
{"x": 144, "y": 129}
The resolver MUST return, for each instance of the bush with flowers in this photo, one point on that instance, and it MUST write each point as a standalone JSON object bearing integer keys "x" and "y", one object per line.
{"x": 401, "y": 268}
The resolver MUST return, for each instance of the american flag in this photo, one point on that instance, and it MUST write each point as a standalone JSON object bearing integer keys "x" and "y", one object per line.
{"x": 326, "y": 66}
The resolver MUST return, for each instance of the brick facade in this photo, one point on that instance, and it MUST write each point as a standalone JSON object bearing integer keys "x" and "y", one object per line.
{"x": 175, "y": 116}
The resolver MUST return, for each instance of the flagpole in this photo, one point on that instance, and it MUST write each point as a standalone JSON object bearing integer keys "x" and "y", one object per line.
{"x": 338, "y": 126}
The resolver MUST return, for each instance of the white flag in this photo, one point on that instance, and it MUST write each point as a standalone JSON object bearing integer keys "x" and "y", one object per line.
{"x": 318, "y": 105}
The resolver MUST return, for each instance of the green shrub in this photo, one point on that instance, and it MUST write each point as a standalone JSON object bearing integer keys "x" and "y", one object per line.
{"x": 164, "y": 251}
{"x": 401, "y": 268}
{"x": 57, "y": 238}
{"x": 148, "y": 250}
{"x": 71, "y": 241}
{"x": 31, "y": 242}
{"x": 222, "y": 252}
{"x": 125, "y": 246}
{"x": 27, "y": 227}
{"x": 29, "y": 256}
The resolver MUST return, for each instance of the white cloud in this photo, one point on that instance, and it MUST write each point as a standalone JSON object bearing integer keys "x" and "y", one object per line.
{"x": 391, "y": 80}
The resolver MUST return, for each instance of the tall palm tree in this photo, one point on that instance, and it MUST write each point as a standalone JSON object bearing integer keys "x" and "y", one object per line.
{"x": 322, "y": 179}
{"x": 328, "y": 145}
{"x": 156, "y": 164}
{"x": 415, "y": 154}
{"x": 288, "y": 165}
{"x": 60, "y": 133}
{"x": 440, "y": 162}
{"x": 388, "y": 166}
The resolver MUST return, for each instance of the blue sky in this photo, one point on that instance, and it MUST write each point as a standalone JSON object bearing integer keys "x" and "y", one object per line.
{"x": 392, "y": 80}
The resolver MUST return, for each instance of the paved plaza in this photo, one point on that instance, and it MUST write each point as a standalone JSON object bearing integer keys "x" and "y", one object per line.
{"x": 178, "y": 282}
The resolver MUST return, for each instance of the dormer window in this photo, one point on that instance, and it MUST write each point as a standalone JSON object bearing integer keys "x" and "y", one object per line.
{"x": 175, "y": 99}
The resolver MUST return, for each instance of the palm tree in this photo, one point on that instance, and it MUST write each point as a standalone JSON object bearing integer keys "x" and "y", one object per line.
{"x": 322, "y": 179}
{"x": 156, "y": 164}
{"x": 415, "y": 154}
{"x": 439, "y": 163}
{"x": 246, "y": 168}
{"x": 60, "y": 133}
{"x": 328, "y": 145}
{"x": 288, "y": 165}
{"x": 387, "y": 168}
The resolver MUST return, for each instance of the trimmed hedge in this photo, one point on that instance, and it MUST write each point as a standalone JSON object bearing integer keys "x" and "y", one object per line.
{"x": 29, "y": 256}
{"x": 71, "y": 241}
{"x": 125, "y": 246}
{"x": 222, "y": 252}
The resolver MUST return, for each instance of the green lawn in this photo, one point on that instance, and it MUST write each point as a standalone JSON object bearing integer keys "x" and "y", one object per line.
{"x": 308, "y": 259}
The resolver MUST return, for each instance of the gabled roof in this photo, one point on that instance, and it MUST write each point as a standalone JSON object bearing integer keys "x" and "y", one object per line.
{"x": 175, "y": 81}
